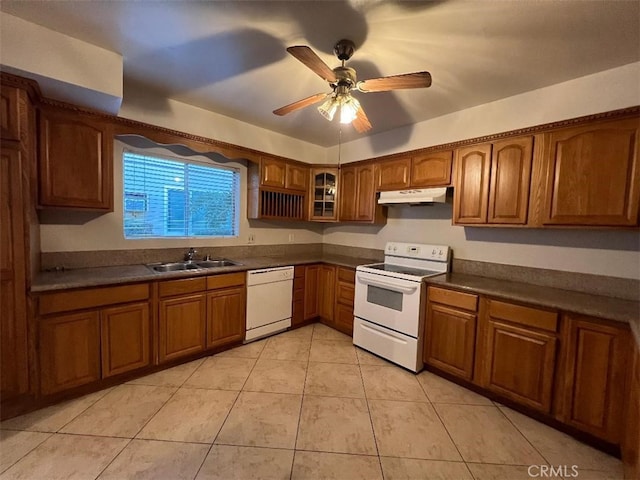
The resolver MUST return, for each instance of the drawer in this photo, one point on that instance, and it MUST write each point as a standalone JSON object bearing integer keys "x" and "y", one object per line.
{"x": 178, "y": 287}
{"x": 91, "y": 298}
{"x": 298, "y": 296}
{"x": 466, "y": 301}
{"x": 347, "y": 274}
{"x": 345, "y": 293}
{"x": 298, "y": 283}
{"x": 532, "y": 317}
{"x": 226, "y": 280}
{"x": 298, "y": 272}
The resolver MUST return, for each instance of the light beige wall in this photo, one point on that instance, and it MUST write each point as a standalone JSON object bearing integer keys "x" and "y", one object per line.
{"x": 611, "y": 252}
{"x": 145, "y": 106}
{"x": 66, "y": 67}
{"x": 106, "y": 231}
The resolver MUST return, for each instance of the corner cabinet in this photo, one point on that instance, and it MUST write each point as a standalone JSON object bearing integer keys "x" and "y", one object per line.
{"x": 592, "y": 174}
{"x": 324, "y": 195}
{"x": 358, "y": 201}
{"x": 75, "y": 161}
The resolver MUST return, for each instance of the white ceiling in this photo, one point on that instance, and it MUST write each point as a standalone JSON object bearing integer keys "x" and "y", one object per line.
{"x": 229, "y": 56}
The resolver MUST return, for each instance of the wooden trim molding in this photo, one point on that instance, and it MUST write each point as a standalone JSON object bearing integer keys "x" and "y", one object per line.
{"x": 166, "y": 136}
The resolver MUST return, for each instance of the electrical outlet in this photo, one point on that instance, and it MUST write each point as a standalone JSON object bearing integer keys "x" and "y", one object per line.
{"x": 252, "y": 238}
{"x": 291, "y": 237}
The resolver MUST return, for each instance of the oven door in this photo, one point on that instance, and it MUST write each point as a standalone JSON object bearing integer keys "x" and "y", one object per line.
{"x": 390, "y": 302}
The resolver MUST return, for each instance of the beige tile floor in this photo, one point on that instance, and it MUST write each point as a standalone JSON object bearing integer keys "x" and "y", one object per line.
{"x": 305, "y": 404}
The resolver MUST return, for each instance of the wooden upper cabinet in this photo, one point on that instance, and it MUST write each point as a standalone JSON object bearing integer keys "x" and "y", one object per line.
{"x": 9, "y": 113}
{"x": 596, "y": 371}
{"x": 273, "y": 172}
{"x": 432, "y": 169}
{"x": 323, "y": 204}
{"x": 296, "y": 177}
{"x": 348, "y": 193}
{"x": 358, "y": 195}
{"x": 125, "y": 338}
{"x": 510, "y": 179}
{"x": 76, "y": 161}
{"x": 592, "y": 175}
{"x": 366, "y": 197}
{"x": 393, "y": 175}
{"x": 470, "y": 200}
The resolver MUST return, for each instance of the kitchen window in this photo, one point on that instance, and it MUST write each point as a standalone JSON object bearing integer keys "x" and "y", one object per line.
{"x": 170, "y": 198}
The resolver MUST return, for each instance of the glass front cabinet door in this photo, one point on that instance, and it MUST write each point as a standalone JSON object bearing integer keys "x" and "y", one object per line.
{"x": 324, "y": 195}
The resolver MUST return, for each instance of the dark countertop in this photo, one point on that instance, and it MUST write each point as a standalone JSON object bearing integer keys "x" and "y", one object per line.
{"x": 610, "y": 308}
{"x": 101, "y": 276}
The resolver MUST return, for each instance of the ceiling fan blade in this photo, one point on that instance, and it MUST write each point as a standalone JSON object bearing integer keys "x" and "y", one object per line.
{"x": 396, "y": 82}
{"x": 313, "y": 61}
{"x": 361, "y": 123}
{"x": 305, "y": 102}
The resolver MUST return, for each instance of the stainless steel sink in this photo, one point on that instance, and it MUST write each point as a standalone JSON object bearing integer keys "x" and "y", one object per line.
{"x": 216, "y": 263}
{"x": 191, "y": 265}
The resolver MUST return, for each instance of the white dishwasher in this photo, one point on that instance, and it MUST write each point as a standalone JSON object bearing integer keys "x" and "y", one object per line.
{"x": 269, "y": 296}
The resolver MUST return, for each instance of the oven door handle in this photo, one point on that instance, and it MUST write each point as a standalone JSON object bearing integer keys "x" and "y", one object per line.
{"x": 368, "y": 280}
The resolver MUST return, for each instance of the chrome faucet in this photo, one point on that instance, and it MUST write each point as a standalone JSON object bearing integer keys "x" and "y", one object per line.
{"x": 190, "y": 254}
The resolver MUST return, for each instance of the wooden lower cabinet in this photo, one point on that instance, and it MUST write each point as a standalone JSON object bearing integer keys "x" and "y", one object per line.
{"x": 311, "y": 294}
{"x": 631, "y": 439}
{"x": 182, "y": 325}
{"x": 344, "y": 298}
{"x": 69, "y": 351}
{"x": 450, "y": 340}
{"x": 326, "y": 292}
{"x": 297, "y": 307}
{"x": 225, "y": 316}
{"x": 125, "y": 338}
{"x": 519, "y": 353}
{"x": 450, "y": 331}
{"x": 595, "y": 373}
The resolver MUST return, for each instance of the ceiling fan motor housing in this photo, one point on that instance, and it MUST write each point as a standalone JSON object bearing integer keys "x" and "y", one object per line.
{"x": 346, "y": 77}
{"x": 344, "y": 49}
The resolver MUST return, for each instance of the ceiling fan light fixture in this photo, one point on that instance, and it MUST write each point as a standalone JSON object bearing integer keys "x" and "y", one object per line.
{"x": 328, "y": 108}
{"x": 349, "y": 109}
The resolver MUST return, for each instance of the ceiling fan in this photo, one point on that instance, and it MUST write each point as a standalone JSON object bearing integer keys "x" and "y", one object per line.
{"x": 342, "y": 81}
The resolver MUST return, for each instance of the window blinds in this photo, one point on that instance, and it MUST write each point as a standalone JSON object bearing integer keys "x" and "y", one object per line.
{"x": 174, "y": 198}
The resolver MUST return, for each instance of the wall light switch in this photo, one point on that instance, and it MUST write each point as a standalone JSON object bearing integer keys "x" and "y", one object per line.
{"x": 291, "y": 237}
{"x": 252, "y": 238}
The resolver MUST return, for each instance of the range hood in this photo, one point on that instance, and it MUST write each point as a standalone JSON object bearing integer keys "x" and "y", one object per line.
{"x": 414, "y": 196}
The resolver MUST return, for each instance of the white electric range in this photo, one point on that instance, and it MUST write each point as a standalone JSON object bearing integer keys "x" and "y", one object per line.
{"x": 390, "y": 301}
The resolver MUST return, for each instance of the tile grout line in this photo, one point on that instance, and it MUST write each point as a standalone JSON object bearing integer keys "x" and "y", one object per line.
{"x": 213, "y": 442}
{"x": 523, "y": 435}
{"x": 443, "y": 425}
{"x": 51, "y": 434}
{"x": 304, "y": 387}
{"x": 366, "y": 399}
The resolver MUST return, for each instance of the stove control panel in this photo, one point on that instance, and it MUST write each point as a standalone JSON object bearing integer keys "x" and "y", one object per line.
{"x": 438, "y": 253}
